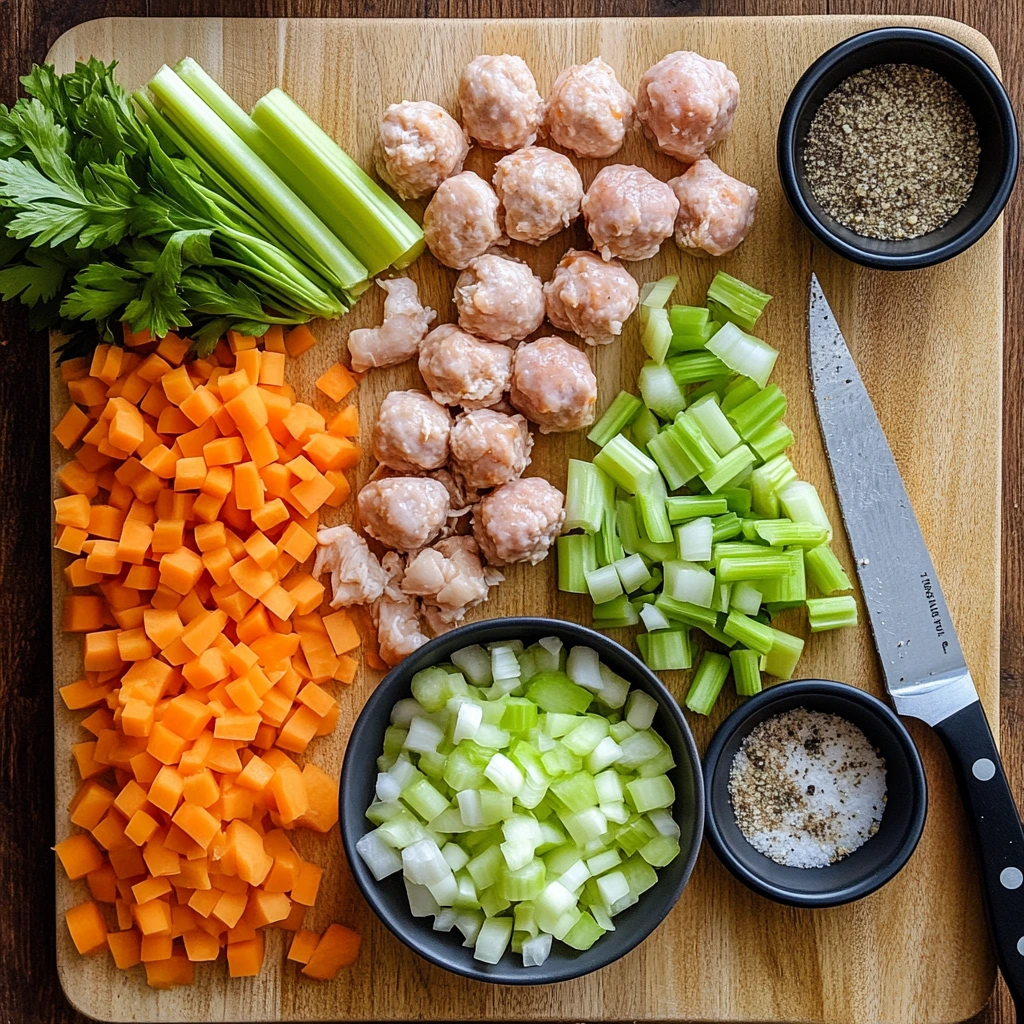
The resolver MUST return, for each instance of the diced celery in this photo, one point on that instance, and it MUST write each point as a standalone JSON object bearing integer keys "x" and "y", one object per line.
{"x": 575, "y": 876}
{"x": 738, "y": 390}
{"x": 606, "y": 753}
{"x": 689, "y": 327}
{"x": 653, "y": 516}
{"x": 394, "y": 740}
{"x": 660, "y": 390}
{"x": 666, "y": 651}
{"x": 536, "y": 950}
{"x": 524, "y": 918}
{"x": 689, "y": 583}
{"x": 469, "y": 922}
{"x": 626, "y": 464}
{"x": 695, "y": 506}
{"x": 693, "y": 367}
{"x": 381, "y": 858}
{"x": 687, "y": 612}
{"x": 657, "y": 335}
{"x": 492, "y": 941}
{"x": 654, "y": 618}
{"x": 635, "y": 834}
{"x": 421, "y": 902}
{"x": 785, "y": 533}
{"x": 660, "y": 851}
{"x": 672, "y": 460}
{"x": 475, "y": 663}
{"x": 694, "y": 445}
{"x": 613, "y": 888}
{"x": 694, "y": 539}
{"x": 424, "y": 799}
{"x": 713, "y": 424}
{"x": 745, "y": 597}
{"x": 825, "y": 570}
{"x": 423, "y": 864}
{"x": 789, "y": 590}
{"x": 771, "y": 441}
{"x": 614, "y": 689}
{"x": 644, "y": 426}
{"x": 749, "y": 632}
{"x": 585, "y": 737}
{"x": 728, "y": 468}
{"x": 743, "y": 353}
{"x": 732, "y": 569}
{"x": 525, "y": 883}
{"x": 584, "y": 933}
{"x": 759, "y": 411}
{"x": 504, "y": 775}
{"x": 831, "y": 612}
{"x": 485, "y": 868}
{"x": 746, "y": 671}
{"x": 586, "y": 825}
{"x": 640, "y": 876}
{"x": 707, "y": 683}
{"x": 647, "y": 794}
{"x": 587, "y": 492}
{"x": 560, "y": 760}
{"x": 744, "y": 302}
{"x": 554, "y": 691}
{"x": 609, "y": 787}
{"x": 445, "y": 920}
{"x": 380, "y": 811}
{"x": 576, "y": 557}
{"x": 445, "y": 891}
{"x": 520, "y": 715}
{"x": 433, "y": 687}
{"x": 767, "y": 481}
{"x": 781, "y": 660}
{"x": 800, "y": 501}
{"x": 654, "y": 294}
{"x": 576, "y": 791}
{"x": 554, "y": 901}
{"x": 721, "y": 599}
{"x": 603, "y": 584}
{"x": 615, "y": 418}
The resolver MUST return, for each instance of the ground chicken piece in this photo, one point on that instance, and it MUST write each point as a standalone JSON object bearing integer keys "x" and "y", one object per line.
{"x": 399, "y": 631}
{"x": 489, "y": 448}
{"x": 501, "y": 108}
{"x": 687, "y": 103}
{"x": 540, "y": 191}
{"x": 629, "y": 212}
{"x": 462, "y": 220}
{"x": 519, "y": 521}
{"x": 411, "y": 432}
{"x": 398, "y": 338}
{"x": 420, "y": 145}
{"x": 716, "y": 211}
{"x": 553, "y": 385}
{"x": 500, "y": 299}
{"x": 591, "y": 297}
{"x": 450, "y": 579}
{"x": 403, "y": 512}
{"x": 462, "y": 370}
{"x": 356, "y": 575}
{"x": 588, "y": 111}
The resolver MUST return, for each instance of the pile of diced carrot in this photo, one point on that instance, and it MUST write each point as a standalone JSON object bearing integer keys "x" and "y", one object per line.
{"x": 193, "y": 500}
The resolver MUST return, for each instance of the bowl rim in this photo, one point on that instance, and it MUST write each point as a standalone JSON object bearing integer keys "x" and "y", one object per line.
{"x": 383, "y": 696}
{"x": 917, "y": 783}
{"x": 788, "y": 165}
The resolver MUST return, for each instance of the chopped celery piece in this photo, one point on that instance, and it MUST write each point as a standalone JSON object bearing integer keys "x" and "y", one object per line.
{"x": 697, "y": 448}
{"x": 586, "y": 825}
{"x": 759, "y": 411}
{"x": 525, "y": 883}
{"x": 520, "y": 715}
{"x": 667, "y": 650}
{"x": 587, "y": 493}
{"x": 626, "y": 464}
{"x": 607, "y": 544}
{"x": 725, "y": 527}
{"x": 423, "y": 736}
{"x": 644, "y": 426}
{"x": 771, "y": 441}
{"x": 424, "y": 799}
{"x": 603, "y": 584}
{"x": 744, "y": 302}
{"x": 728, "y": 468}
{"x": 583, "y": 667}
{"x": 660, "y": 851}
{"x": 784, "y": 533}
{"x": 615, "y": 418}
{"x": 767, "y": 481}
{"x": 675, "y": 465}
{"x": 653, "y": 618}
{"x": 800, "y": 501}
{"x": 433, "y": 687}
{"x": 633, "y": 572}
{"x": 492, "y": 941}
{"x": 713, "y": 388}
{"x": 651, "y": 503}
{"x": 825, "y": 570}
{"x": 791, "y": 589}
{"x": 536, "y": 950}
{"x": 831, "y": 612}
{"x": 576, "y": 791}
{"x": 746, "y": 671}
{"x": 694, "y": 539}
{"x": 504, "y": 664}
{"x": 485, "y": 868}
{"x": 382, "y": 859}
{"x": 640, "y": 710}
{"x": 640, "y": 876}
{"x": 781, "y": 660}
{"x": 707, "y": 682}
{"x": 475, "y": 664}
{"x": 660, "y": 390}
{"x": 553, "y": 691}
{"x": 687, "y": 612}
{"x": 737, "y": 392}
{"x": 394, "y": 740}
{"x": 576, "y": 557}
{"x": 606, "y": 753}
{"x": 749, "y": 632}
{"x": 689, "y": 327}
{"x": 587, "y": 735}
{"x": 738, "y": 499}
{"x": 693, "y": 367}
{"x": 635, "y": 835}
{"x": 584, "y": 933}
{"x": 761, "y": 566}
{"x": 713, "y": 424}
{"x": 694, "y": 506}
{"x": 657, "y": 335}
{"x": 689, "y": 583}
{"x": 655, "y": 294}
{"x": 745, "y": 598}
{"x": 743, "y": 353}
{"x": 720, "y": 602}
{"x": 615, "y": 614}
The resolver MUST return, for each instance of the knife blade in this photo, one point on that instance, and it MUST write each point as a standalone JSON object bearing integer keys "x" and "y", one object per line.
{"x": 922, "y": 662}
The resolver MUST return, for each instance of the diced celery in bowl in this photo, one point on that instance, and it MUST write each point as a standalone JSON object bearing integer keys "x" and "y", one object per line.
{"x": 521, "y": 801}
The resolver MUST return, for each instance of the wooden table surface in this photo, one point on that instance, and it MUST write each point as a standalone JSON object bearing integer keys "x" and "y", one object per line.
{"x": 29, "y": 989}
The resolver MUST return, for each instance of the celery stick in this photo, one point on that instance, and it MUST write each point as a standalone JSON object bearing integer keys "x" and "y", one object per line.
{"x": 616, "y": 614}
{"x": 633, "y": 572}
{"x": 645, "y": 425}
{"x": 732, "y": 569}
{"x": 713, "y": 424}
{"x": 694, "y": 506}
{"x": 689, "y": 327}
{"x": 765, "y": 483}
{"x": 713, "y": 388}
{"x": 728, "y": 468}
{"x": 785, "y": 533}
{"x": 800, "y": 501}
{"x": 781, "y": 660}
{"x": 650, "y": 501}
{"x": 725, "y": 527}
{"x": 607, "y": 545}
{"x": 666, "y": 650}
{"x": 381, "y": 226}
{"x": 771, "y": 441}
{"x": 746, "y": 671}
{"x": 744, "y": 302}
{"x": 695, "y": 539}
{"x": 587, "y": 493}
{"x": 686, "y": 612}
{"x": 576, "y": 558}
{"x": 615, "y": 418}
{"x": 657, "y": 335}
{"x": 672, "y": 460}
{"x": 831, "y": 613}
{"x": 749, "y": 632}
{"x": 707, "y": 682}
{"x": 655, "y": 294}
{"x": 738, "y": 390}
{"x": 660, "y": 390}
{"x": 743, "y": 353}
{"x": 746, "y": 598}
{"x": 694, "y": 444}
{"x": 825, "y": 570}
{"x": 553, "y": 691}
{"x": 626, "y": 464}
{"x": 690, "y": 583}
{"x": 603, "y": 584}
{"x": 694, "y": 367}
{"x": 759, "y": 411}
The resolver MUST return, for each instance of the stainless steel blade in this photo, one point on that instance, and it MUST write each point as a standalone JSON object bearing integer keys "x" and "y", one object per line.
{"x": 924, "y": 667}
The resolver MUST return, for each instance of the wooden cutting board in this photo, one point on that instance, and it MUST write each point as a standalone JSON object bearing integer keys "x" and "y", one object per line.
{"x": 929, "y": 347}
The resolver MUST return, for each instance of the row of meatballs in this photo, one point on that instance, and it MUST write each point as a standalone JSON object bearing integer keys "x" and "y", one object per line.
{"x": 686, "y": 104}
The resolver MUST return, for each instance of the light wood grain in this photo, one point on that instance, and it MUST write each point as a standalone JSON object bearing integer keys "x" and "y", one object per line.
{"x": 929, "y": 348}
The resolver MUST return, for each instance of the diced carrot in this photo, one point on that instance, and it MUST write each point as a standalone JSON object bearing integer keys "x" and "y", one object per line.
{"x": 155, "y": 948}
{"x": 73, "y": 424}
{"x": 87, "y": 927}
{"x": 272, "y": 368}
{"x": 302, "y": 946}
{"x": 78, "y": 855}
{"x": 229, "y": 907}
{"x": 240, "y": 342}
{"x": 336, "y": 383}
{"x": 265, "y": 908}
{"x": 345, "y": 422}
{"x": 307, "y": 883}
{"x": 342, "y": 631}
{"x": 165, "y": 745}
{"x": 175, "y": 970}
{"x": 298, "y": 340}
{"x": 197, "y": 823}
{"x": 166, "y": 789}
{"x": 309, "y": 495}
{"x": 321, "y": 789}
{"x": 180, "y": 570}
{"x": 186, "y": 716}
{"x": 172, "y": 348}
{"x": 102, "y": 883}
{"x": 201, "y": 788}
{"x": 161, "y": 861}
{"x": 245, "y": 959}
{"x": 125, "y": 948}
{"x": 338, "y": 947}
{"x": 150, "y": 889}
{"x": 289, "y": 793}
{"x": 199, "y": 946}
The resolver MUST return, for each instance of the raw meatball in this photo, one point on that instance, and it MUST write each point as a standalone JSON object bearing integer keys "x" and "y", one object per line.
{"x": 398, "y": 338}
{"x": 421, "y": 144}
{"x": 553, "y": 385}
{"x": 462, "y": 370}
{"x": 490, "y": 448}
{"x": 501, "y": 107}
{"x": 499, "y": 299}
{"x": 715, "y": 210}
{"x": 411, "y": 432}
{"x": 588, "y": 111}
{"x": 356, "y": 575}
{"x": 628, "y": 212}
{"x": 450, "y": 579}
{"x": 403, "y": 512}
{"x": 540, "y": 191}
{"x": 519, "y": 521}
{"x": 462, "y": 220}
{"x": 591, "y": 297}
{"x": 687, "y": 103}
{"x": 399, "y": 631}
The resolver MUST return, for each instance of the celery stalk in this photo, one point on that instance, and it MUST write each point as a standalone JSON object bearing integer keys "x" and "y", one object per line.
{"x": 615, "y": 418}
{"x": 771, "y": 441}
{"x": 657, "y": 335}
{"x": 693, "y": 367}
{"x": 660, "y": 390}
{"x": 746, "y": 671}
{"x": 745, "y": 303}
{"x": 675, "y": 465}
{"x": 650, "y": 501}
{"x": 800, "y": 501}
{"x": 667, "y": 650}
{"x": 707, "y": 683}
{"x": 576, "y": 558}
{"x": 689, "y": 327}
{"x": 738, "y": 390}
{"x": 784, "y": 533}
{"x": 713, "y": 424}
{"x": 587, "y": 494}
{"x": 743, "y": 353}
{"x": 749, "y": 632}
{"x": 694, "y": 506}
{"x": 826, "y": 573}
{"x": 727, "y": 469}
{"x": 626, "y": 464}
{"x": 759, "y": 411}
{"x": 781, "y": 660}
{"x": 831, "y": 612}
{"x": 725, "y": 527}
{"x": 655, "y": 294}
{"x": 694, "y": 444}
{"x": 603, "y": 584}
{"x": 643, "y": 427}
{"x": 732, "y": 569}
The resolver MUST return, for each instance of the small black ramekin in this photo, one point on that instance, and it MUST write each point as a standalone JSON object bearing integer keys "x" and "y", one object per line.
{"x": 997, "y": 134}
{"x": 864, "y": 870}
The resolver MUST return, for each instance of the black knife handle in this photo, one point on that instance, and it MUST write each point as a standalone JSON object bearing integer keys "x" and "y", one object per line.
{"x": 997, "y": 825}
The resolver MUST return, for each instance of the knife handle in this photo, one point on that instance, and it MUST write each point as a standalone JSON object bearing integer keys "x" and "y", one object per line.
{"x": 997, "y": 825}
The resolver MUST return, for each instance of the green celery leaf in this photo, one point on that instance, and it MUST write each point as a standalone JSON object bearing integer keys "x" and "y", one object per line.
{"x": 100, "y": 291}
{"x": 35, "y": 280}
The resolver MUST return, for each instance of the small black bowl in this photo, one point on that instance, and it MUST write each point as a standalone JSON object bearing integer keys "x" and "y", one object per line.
{"x": 997, "y": 134}
{"x": 867, "y": 868}
{"x": 388, "y": 898}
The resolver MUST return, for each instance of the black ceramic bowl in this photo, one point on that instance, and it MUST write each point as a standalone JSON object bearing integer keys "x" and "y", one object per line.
{"x": 867, "y": 868}
{"x": 388, "y": 898}
{"x": 997, "y": 132}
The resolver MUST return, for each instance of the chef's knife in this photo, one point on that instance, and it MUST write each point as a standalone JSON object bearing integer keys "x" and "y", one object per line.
{"x": 922, "y": 662}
